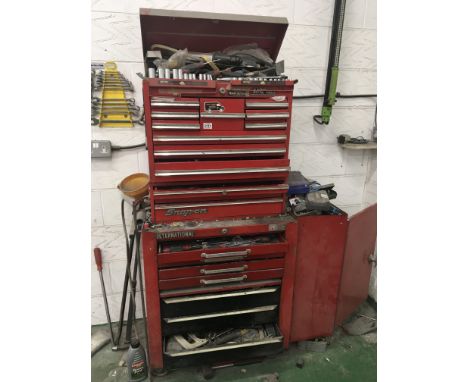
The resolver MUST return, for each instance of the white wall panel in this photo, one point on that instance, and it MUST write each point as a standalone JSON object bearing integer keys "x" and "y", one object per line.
{"x": 111, "y": 241}
{"x": 359, "y": 49}
{"x": 305, "y": 46}
{"x": 276, "y": 8}
{"x": 111, "y": 207}
{"x": 116, "y": 37}
{"x": 320, "y": 12}
{"x": 108, "y": 172}
{"x": 133, "y": 6}
{"x": 370, "y": 20}
{"x": 96, "y": 209}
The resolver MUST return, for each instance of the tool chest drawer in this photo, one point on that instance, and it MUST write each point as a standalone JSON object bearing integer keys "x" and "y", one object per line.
{"x": 187, "y": 194}
{"x": 216, "y": 279}
{"x": 252, "y": 343}
{"x": 214, "y": 302}
{"x": 209, "y": 172}
{"x": 176, "y": 135}
{"x": 217, "y": 151}
{"x": 167, "y": 258}
{"x": 236, "y": 318}
{"x": 219, "y": 268}
{"x": 218, "y": 209}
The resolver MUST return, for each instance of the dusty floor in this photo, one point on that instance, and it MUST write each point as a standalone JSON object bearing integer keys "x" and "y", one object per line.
{"x": 347, "y": 358}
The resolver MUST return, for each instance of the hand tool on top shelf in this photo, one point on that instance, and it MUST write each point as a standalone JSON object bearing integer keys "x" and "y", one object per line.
{"x": 98, "y": 260}
{"x": 333, "y": 63}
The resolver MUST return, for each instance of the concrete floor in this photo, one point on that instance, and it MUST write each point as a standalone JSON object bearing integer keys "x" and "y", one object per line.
{"x": 348, "y": 358}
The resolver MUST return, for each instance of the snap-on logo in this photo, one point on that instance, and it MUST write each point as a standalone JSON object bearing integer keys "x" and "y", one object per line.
{"x": 187, "y": 212}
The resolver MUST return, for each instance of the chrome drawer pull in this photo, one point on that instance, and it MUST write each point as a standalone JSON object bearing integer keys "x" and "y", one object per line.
{"x": 174, "y": 127}
{"x": 251, "y": 138}
{"x": 215, "y": 204}
{"x": 175, "y": 103}
{"x": 266, "y": 308}
{"x": 220, "y": 172}
{"x": 202, "y": 297}
{"x": 172, "y": 153}
{"x": 222, "y": 281}
{"x": 266, "y": 125}
{"x": 221, "y": 115}
{"x": 225, "y": 270}
{"x": 267, "y": 105}
{"x": 266, "y": 115}
{"x": 174, "y": 115}
{"x": 226, "y": 254}
{"x": 223, "y": 191}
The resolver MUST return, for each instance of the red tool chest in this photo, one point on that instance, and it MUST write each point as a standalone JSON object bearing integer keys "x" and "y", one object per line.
{"x": 220, "y": 251}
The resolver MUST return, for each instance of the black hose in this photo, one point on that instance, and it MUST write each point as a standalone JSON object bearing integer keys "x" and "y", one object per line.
{"x": 114, "y": 148}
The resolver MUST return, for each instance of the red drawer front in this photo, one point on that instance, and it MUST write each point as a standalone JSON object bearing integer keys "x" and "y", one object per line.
{"x": 189, "y": 133}
{"x": 212, "y": 269}
{"x": 217, "y": 209}
{"x": 179, "y": 173}
{"x": 174, "y": 103}
{"x": 219, "y": 255}
{"x": 184, "y": 194}
{"x": 273, "y": 103}
{"x": 220, "y": 288}
{"x": 169, "y": 152}
{"x": 222, "y": 114}
{"x": 166, "y": 126}
{"x": 257, "y": 118}
{"x": 227, "y": 278}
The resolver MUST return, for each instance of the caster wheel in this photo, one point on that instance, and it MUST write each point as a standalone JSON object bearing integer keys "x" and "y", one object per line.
{"x": 207, "y": 372}
{"x": 159, "y": 372}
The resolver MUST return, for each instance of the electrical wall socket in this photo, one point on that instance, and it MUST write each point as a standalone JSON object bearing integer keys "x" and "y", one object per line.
{"x": 101, "y": 149}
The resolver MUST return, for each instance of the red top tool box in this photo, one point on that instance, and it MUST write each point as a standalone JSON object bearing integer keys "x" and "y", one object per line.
{"x": 217, "y": 148}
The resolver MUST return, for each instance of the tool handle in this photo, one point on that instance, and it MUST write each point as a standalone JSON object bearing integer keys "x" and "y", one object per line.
{"x": 98, "y": 258}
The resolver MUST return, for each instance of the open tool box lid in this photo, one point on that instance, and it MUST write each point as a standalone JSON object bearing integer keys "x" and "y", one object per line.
{"x": 210, "y": 32}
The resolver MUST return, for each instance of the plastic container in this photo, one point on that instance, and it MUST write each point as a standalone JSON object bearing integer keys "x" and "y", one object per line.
{"x": 136, "y": 362}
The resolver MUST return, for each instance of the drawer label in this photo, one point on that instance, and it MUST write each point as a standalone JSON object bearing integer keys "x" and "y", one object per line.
{"x": 185, "y": 212}
{"x": 174, "y": 235}
{"x": 207, "y": 126}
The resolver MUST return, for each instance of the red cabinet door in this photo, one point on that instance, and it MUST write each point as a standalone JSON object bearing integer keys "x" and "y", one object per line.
{"x": 355, "y": 276}
{"x": 319, "y": 259}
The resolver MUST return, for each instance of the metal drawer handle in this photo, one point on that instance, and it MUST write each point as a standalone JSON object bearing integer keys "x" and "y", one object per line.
{"x": 222, "y": 115}
{"x": 174, "y": 115}
{"x": 175, "y": 127}
{"x": 267, "y": 105}
{"x": 251, "y": 138}
{"x": 203, "y": 297}
{"x": 224, "y": 191}
{"x": 221, "y": 281}
{"x": 266, "y": 115}
{"x": 174, "y": 153}
{"x": 220, "y": 172}
{"x": 224, "y": 270}
{"x": 175, "y": 103}
{"x": 225, "y": 254}
{"x": 266, "y": 125}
